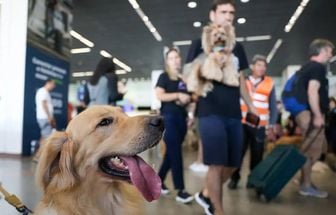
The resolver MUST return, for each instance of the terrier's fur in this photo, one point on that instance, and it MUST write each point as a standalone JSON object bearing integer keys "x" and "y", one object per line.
{"x": 212, "y": 65}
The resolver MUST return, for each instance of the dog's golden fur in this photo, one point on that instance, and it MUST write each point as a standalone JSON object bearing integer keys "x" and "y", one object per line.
{"x": 213, "y": 66}
{"x": 68, "y": 171}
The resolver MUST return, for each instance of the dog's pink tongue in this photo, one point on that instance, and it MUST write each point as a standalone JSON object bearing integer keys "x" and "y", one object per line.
{"x": 143, "y": 177}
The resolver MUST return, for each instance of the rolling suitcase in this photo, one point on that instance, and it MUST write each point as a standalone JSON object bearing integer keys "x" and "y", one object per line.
{"x": 274, "y": 172}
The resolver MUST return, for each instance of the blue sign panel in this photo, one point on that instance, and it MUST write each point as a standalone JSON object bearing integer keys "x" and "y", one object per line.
{"x": 41, "y": 66}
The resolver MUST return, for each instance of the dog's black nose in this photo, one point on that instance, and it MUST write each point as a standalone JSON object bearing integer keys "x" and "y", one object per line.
{"x": 157, "y": 121}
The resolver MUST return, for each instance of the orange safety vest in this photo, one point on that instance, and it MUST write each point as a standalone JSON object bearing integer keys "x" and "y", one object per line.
{"x": 260, "y": 97}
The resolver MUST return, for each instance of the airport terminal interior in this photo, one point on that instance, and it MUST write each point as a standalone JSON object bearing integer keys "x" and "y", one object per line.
{"x": 52, "y": 57}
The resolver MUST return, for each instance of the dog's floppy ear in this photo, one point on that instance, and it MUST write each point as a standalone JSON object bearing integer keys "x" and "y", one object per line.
{"x": 55, "y": 167}
{"x": 231, "y": 36}
{"x": 206, "y": 39}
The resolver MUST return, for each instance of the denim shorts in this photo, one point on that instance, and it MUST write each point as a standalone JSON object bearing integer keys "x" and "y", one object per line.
{"x": 222, "y": 140}
{"x": 45, "y": 127}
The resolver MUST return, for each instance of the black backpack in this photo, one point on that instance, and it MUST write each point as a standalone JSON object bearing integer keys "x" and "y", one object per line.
{"x": 86, "y": 98}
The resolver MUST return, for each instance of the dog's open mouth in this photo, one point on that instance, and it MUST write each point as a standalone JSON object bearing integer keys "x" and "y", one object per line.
{"x": 219, "y": 46}
{"x": 135, "y": 170}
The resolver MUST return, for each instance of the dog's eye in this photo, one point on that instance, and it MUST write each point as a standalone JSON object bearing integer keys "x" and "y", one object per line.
{"x": 105, "y": 122}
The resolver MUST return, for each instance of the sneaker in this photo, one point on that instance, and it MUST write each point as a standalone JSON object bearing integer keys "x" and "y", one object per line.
{"x": 205, "y": 203}
{"x": 193, "y": 166}
{"x": 184, "y": 197}
{"x": 233, "y": 184}
{"x": 209, "y": 211}
{"x": 164, "y": 190}
{"x": 312, "y": 191}
{"x": 198, "y": 167}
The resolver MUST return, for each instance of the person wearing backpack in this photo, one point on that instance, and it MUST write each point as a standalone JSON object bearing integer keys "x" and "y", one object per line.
{"x": 102, "y": 88}
{"x": 311, "y": 79}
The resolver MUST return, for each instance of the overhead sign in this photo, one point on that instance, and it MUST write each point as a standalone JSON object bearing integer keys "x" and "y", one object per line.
{"x": 41, "y": 66}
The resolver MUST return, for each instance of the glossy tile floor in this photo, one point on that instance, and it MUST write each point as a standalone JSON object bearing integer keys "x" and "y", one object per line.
{"x": 17, "y": 176}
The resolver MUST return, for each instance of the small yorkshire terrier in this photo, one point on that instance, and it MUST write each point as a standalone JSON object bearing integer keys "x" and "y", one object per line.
{"x": 217, "y": 62}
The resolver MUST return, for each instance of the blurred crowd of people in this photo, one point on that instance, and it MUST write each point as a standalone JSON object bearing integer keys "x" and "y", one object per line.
{"x": 232, "y": 119}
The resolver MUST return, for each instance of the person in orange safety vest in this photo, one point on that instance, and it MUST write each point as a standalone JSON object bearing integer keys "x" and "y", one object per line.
{"x": 262, "y": 92}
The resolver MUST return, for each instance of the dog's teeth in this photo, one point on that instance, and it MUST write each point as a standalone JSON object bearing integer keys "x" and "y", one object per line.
{"x": 115, "y": 160}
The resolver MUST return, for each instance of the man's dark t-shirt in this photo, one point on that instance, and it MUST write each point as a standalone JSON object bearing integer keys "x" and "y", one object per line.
{"x": 171, "y": 86}
{"x": 314, "y": 71}
{"x": 223, "y": 100}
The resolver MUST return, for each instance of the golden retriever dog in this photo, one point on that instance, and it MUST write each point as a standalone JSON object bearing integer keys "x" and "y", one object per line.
{"x": 92, "y": 168}
{"x": 217, "y": 63}
{"x": 284, "y": 140}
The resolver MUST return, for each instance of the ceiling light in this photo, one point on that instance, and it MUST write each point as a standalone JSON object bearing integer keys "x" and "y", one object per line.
{"x": 257, "y": 38}
{"x": 241, "y": 20}
{"x": 304, "y": 3}
{"x": 122, "y": 65}
{"x": 254, "y": 38}
{"x": 244, "y": 1}
{"x": 134, "y": 4}
{"x": 182, "y": 43}
{"x": 157, "y": 36}
{"x": 274, "y": 50}
{"x": 105, "y": 53}
{"x": 145, "y": 19}
{"x": 120, "y": 71}
{"x": 116, "y": 61}
{"x": 81, "y": 38}
{"x": 82, "y": 74}
{"x": 197, "y": 24}
{"x": 288, "y": 28}
{"x": 192, "y": 4}
{"x": 80, "y": 50}
{"x": 296, "y": 15}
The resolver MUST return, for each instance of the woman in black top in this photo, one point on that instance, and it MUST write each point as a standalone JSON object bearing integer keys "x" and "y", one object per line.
{"x": 172, "y": 92}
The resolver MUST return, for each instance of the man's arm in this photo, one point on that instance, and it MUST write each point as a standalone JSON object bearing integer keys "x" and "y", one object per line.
{"x": 273, "y": 108}
{"x": 273, "y": 115}
{"x": 245, "y": 95}
{"x": 314, "y": 102}
{"x": 51, "y": 119}
{"x": 45, "y": 108}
